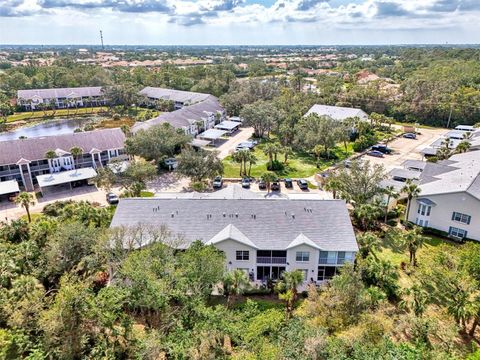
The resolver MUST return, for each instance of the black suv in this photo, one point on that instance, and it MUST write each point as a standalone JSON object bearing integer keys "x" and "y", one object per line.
{"x": 382, "y": 148}
{"x": 288, "y": 183}
{"x": 275, "y": 185}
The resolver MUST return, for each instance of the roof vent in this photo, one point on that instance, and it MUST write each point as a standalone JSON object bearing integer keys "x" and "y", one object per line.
{"x": 236, "y": 215}
{"x": 172, "y": 215}
{"x": 224, "y": 215}
{"x": 293, "y": 216}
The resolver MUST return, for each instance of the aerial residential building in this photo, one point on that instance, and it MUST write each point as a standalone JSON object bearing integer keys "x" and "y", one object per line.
{"x": 337, "y": 112}
{"x": 180, "y": 98}
{"x": 25, "y": 162}
{"x": 263, "y": 237}
{"x": 453, "y": 138}
{"x": 61, "y": 98}
{"x": 449, "y": 200}
{"x": 195, "y": 112}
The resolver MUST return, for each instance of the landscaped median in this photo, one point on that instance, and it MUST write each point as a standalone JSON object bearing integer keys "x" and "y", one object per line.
{"x": 36, "y": 115}
{"x": 299, "y": 164}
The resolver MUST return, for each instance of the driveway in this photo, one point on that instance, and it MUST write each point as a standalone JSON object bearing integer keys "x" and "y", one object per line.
{"x": 10, "y": 211}
{"x": 229, "y": 146}
{"x": 407, "y": 149}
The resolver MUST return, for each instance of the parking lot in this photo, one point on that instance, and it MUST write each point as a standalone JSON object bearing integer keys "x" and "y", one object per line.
{"x": 406, "y": 149}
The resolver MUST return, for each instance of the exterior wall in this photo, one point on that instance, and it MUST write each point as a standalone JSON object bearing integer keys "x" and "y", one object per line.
{"x": 61, "y": 103}
{"x": 441, "y": 214}
{"x": 229, "y": 247}
{"x": 45, "y": 166}
{"x": 311, "y": 265}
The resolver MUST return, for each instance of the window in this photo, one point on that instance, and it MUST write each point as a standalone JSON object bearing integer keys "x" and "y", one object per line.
{"x": 242, "y": 255}
{"x": 302, "y": 256}
{"x": 341, "y": 257}
{"x": 456, "y": 232}
{"x": 326, "y": 272}
{"x": 327, "y": 257}
{"x": 424, "y": 210}
{"x": 463, "y": 218}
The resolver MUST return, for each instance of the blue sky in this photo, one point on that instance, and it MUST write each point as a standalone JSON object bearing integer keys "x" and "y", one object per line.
{"x": 219, "y": 22}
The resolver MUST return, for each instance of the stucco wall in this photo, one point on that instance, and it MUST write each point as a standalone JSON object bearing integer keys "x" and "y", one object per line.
{"x": 441, "y": 215}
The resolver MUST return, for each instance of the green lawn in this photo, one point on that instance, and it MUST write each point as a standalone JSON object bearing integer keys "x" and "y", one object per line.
{"x": 391, "y": 252}
{"x": 29, "y": 115}
{"x": 300, "y": 164}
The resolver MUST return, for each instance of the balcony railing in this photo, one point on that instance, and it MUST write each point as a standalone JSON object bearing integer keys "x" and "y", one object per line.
{"x": 271, "y": 260}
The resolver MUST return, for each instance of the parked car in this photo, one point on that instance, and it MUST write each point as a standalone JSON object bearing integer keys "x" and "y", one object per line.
{"x": 302, "y": 184}
{"x": 242, "y": 147}
{"x": 112, "y": 198}
{"x": 275, "y": 185}
{"x": 288, "y": 183}
{"x": 375, "y": 153}
{"x": 253, "y": 141}
{"x": 217, "y": 182}
{"x": 262, "y": 185}
{"x": 382, "y": 148}
{"x": 410, "y": 136}
{"x": 246, "y": 183}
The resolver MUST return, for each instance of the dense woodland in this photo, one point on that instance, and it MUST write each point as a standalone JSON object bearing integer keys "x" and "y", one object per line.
{"x": 436, "y": 84}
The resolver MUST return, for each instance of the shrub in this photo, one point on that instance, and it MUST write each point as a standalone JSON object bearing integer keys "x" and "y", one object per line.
{"x": 199, "y": 186}
{"x": 275, "y": 166}
{"x": 364, "y": 142}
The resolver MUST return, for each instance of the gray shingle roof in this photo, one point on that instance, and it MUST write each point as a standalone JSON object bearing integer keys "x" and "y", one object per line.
{"x": 185, "y": 116}
{"x": 275, "y": 225}
{"x": 337, "y": 112}
{"x": 60, "y": 93}
{"x": 461, "y": 173}
{"x": 35, "y": 148}
{"x": 174, "y": 95}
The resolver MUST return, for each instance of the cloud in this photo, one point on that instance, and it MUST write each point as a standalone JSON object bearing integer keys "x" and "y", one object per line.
{"x": 133, "y": 6}
{"x": 18, "y": 8}
{"x": 304, "y": 5}
{"x": 388, "y": 9}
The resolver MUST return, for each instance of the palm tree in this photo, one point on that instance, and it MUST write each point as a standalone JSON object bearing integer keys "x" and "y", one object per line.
{"x": 412, "y": 190}
{"x": 251, "y": 159}
{"x": 268, "y": 177}
{"x": 369, "y": 242}
{"x": 332, "y": 184}
{"x": 287, "y": 289}
{"x": 271, "y": 150}
{"x": 25, "y": 200}
{"x": 287, "y": 150}
{"x": 239, "y": 157}
{"x": 391, "y": 193}
{"x": 413, "y": 240}
{"x": 367, "y": 214}
{"x": 444, "y": 152}
{"x": 235, "y": 283}
{"x": 76, "y": 153}
{"x": 463, "y": 147}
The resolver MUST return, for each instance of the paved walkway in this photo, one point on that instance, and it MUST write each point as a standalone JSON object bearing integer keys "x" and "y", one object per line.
{"x": 229, "y": 146}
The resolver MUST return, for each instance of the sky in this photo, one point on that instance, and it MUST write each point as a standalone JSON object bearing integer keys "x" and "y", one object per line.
{"x": 239, "y": 22}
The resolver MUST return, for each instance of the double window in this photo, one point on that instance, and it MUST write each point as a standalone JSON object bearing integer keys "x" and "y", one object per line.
{"x": 326, "y": 272}
{"x": 242, "y": 255}
{"x": 424, "y": 210}
{"x": 463, "y": 218}
{"x": 457, "y": 233}
{"x": 302, "y": 256}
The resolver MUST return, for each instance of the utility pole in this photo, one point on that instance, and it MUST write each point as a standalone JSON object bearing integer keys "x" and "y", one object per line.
{"x": 101, "y": 39}
{"x": 449, "y": 116}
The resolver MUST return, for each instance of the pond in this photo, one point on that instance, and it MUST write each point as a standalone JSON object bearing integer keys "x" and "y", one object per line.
{"x": 49, "y": 127}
